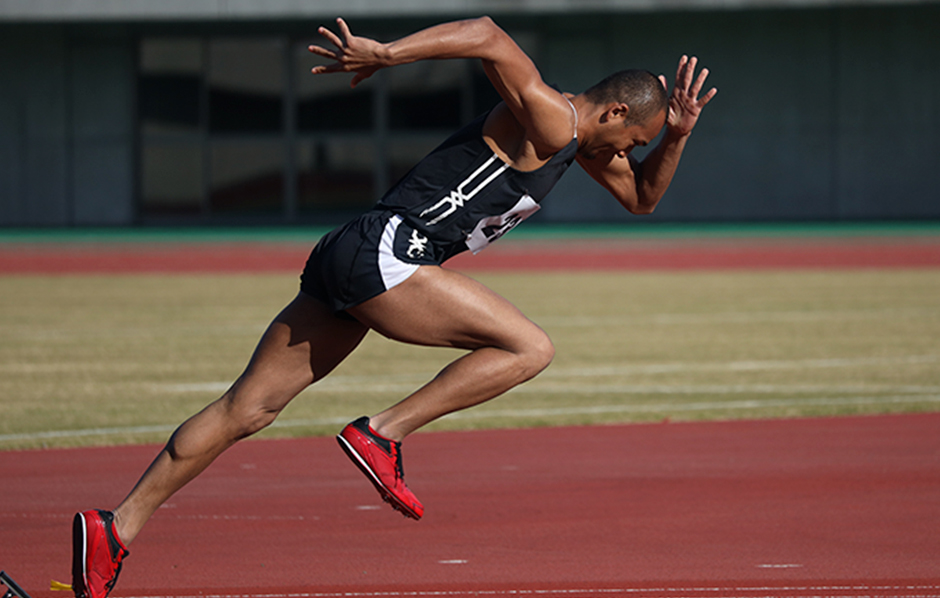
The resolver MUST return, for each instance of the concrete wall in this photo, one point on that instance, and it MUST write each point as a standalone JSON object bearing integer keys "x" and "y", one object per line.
{"x": 66, "y": 127}
{"x": 222, "y": 10}
{"x": 33, "y": 122}
{"x": 831, "y": 114}
{"x": 887, "y": 118}
{"x": 822, "y": 113}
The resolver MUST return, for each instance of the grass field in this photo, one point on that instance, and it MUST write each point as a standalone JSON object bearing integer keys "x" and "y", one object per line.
{"x": 117, "y": 359}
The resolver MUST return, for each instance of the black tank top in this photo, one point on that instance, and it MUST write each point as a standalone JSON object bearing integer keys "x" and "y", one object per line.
{"x": 463, "y": 196}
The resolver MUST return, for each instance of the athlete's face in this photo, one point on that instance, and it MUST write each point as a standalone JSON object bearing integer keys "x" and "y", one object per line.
{"x": 618, "y": 139}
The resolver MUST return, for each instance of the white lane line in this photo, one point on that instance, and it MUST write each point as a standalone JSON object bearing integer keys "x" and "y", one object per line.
{"x": 741, "y": 366}
{"x": 544, "y": 385}
{"x": 405, "y": 382}
{"x": 547, "y": 386}
{"x": 663, "y": 408}
{"x": 164, "y": 515}
{"x": 815, "y": 591}
{"x": 732, "y": 317}
{"x": 689, "y": 407}
{"x": 719, "y": 389}
{"x": 53, "y": 434}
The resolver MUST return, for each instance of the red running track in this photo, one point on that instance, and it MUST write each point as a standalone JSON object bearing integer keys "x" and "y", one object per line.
{"x": 746, "y": 509}
{"x": 723, "y": 254}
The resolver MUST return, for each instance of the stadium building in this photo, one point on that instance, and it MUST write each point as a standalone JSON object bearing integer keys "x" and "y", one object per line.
{"x": 204, "y": 111}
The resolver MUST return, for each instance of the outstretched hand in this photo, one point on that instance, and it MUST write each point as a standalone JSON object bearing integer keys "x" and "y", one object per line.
{"x": 353, "y": 54}
{"x": 684, "y": 103}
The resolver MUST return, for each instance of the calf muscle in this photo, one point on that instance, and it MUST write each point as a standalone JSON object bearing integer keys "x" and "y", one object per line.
{"x": 438, "y": 307}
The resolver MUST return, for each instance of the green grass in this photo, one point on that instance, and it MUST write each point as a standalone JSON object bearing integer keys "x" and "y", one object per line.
{"x": 118, "y": 359}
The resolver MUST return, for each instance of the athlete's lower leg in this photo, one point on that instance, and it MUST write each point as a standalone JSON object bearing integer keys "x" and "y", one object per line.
{"x": 304, "y": 343}
{"x": 191, "y": 448}
{"x": 477, "y": 377}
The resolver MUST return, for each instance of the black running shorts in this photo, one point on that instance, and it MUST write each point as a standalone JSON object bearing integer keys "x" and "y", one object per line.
{"x": 364, "y": 258}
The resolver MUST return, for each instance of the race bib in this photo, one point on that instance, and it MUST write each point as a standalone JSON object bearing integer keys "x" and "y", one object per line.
{"x": 494, "y": 227}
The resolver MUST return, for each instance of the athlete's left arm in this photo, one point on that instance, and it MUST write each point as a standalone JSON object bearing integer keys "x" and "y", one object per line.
{"x": 639, "y": 186}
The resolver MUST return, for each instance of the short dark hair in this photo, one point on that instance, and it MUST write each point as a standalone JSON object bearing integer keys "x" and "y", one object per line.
{"x": 641, "y": 90}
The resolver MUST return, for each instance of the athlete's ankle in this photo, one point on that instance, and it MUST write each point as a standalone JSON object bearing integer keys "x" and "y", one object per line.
{"x": 122, "y": 529}
{"x": 385, "y": 428}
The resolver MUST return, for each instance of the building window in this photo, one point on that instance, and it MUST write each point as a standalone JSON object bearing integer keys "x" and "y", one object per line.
{"x": 170, "y": 86}
{"x": 172, "y": 178}
{"x": 428, "y": 95}
{"x": 246, "y": 177}
{"x": 246, "y": 80}
{"x": 235, "y": 128}
{"x": 336, "y": 174}
{"x": 170, "y": 106}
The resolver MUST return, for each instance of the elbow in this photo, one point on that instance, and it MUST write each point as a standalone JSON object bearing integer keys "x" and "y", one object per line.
{"x": 486, "y": 22}
{"x": 643, "y": 209}
{"x": 490, "y": 34}
{"x": 637, "y": 206}
{"x": 643, "y": 204}
{"x": 486, "y": 27}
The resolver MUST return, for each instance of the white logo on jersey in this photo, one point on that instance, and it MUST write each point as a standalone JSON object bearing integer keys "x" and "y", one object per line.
{"x": 459, "y": 196}
{"x": 417, "y": 245}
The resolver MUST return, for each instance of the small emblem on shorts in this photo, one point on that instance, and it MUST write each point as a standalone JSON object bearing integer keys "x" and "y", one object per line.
{"x": 417, "y": 245}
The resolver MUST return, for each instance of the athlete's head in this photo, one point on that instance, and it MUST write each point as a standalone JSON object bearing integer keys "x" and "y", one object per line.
{"x": 641, "y": 90}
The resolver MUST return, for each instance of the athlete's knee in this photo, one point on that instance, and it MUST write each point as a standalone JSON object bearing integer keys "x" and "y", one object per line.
{"x": 247, "y": 415}
{"x": 537, "y": 354}
{"x": 545, "y": 352}
{"x": 256, "y": 421}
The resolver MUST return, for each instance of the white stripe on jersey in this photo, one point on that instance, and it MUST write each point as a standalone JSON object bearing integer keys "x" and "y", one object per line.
{"x": 458, "y": 197}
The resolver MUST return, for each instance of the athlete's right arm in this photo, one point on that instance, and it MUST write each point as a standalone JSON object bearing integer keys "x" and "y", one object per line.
{"x": 541, "y": 110}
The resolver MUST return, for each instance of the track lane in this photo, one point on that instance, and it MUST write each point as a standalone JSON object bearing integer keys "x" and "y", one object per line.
{"x": 526, "y": 255}
{"x": 815, "y": 507}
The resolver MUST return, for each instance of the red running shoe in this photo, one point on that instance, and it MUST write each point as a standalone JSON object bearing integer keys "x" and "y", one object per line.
{"x": 380, "y": 459}
{"x": 97, "y": 554}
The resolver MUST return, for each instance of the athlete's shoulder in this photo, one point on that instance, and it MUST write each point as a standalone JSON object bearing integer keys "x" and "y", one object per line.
{"x": 515, "y": 144}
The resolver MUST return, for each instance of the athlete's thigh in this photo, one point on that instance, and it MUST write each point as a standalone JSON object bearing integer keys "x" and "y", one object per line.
{"x": 301, "y": 345}
{"x": 439, "y": 307}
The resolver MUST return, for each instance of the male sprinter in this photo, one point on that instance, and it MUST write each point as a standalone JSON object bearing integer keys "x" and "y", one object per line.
{"x": 382, "y": 270}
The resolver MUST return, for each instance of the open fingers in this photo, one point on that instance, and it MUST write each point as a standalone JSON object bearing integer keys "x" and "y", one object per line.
{"x": 707, "y": 97}
{"x": 685, "y": 83}
{"x": 334, "y": 39}
{"x": 699, "y": 82}
{"x": 344, "y": 29}
{"x": 680, "y": 70}
{"x": 685, "y": 72}
{"x": 321, "y": 51}
{"x": 331, "y": 37}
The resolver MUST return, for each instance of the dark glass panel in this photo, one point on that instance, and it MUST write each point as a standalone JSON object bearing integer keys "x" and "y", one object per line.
{"x": 246, "y": 85}
{"x": 336, "y": 174}
{"x": 247, "y": 176}
{"x": 169, "y": 85}
{"x": 171, "y": 178}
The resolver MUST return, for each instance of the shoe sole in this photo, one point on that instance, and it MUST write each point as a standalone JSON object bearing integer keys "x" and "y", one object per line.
{"x": 386, "y": 494}
{"x": 79, "y": 554}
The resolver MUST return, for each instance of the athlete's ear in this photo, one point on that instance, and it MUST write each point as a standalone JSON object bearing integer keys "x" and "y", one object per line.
{"x": 616, "y": 111}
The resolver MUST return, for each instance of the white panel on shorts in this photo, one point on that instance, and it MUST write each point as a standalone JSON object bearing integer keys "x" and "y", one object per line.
{"x": 393, "y": 270}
